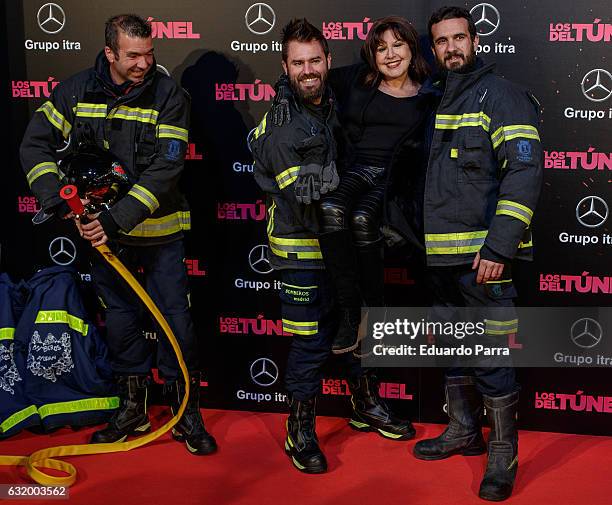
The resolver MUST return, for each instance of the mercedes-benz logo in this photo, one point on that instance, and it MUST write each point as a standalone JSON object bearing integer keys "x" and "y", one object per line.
{"x": 264, "y": 372}
{"x": 597, "y": 85}
{"x": 260, "y": 18}
{"x": 486, "y": 18}
{"x": 51, "y": 18}
{"x": 250, "y": 138}
{"x": 592, "y": 211}
{"x": 258, "y": 259}
{"x": 62, "y": 251}
{"x": 163, "y": 70}
{"x": 586, "y": 333}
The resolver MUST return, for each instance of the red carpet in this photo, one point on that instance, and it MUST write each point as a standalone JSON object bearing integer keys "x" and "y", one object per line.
{"x": 251, "y": 468}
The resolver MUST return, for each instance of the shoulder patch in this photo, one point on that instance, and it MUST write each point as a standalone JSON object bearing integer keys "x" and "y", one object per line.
{"x": 174, "y": 150}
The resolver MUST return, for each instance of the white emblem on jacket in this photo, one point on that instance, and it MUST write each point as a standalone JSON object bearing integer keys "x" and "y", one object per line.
{"x": 51, "y": 357}
{"x": 8, "y": 370}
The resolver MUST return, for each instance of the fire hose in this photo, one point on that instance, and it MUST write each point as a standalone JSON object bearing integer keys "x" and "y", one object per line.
{"x": 45, "y": 458}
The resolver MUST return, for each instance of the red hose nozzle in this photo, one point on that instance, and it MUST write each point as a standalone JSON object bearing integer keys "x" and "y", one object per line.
{"x": 70, "y": 193}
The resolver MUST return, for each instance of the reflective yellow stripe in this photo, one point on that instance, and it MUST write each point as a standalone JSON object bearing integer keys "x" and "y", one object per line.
{"x": 455, "y": 249}
{"x": 160, "y": 227}
{"x": 261, "y": 128}
{"x": 455, "y": 236}
{"x": 306, "y": 249}
{"x": 17, "y": 418}
{"x": 493, "y": 327}
{"x": 7, "y": 333}
{"x": 301, "y": 248}
{"x": 76, "y": 406}
{"x": 514, "y": 209}
{"x": 144, "y": 196}
{"x": 459, "y": 243}
{"x": 300, "y": 255}
{"x": 270, "y": 227}
{"x": 287, "y": 177}
{"x": 298, "y": 287}
{"x": 454, "y": 153}
{"x": 46, "y": 167}
{"x": 499, "y": 282}
{"x": 90, "y": 110}
{"x": 134, "y": 114}
{"x": 501, "y": 332}
{"x": 505, "y": 133}
{"x": 61, "y": 316}
{"x": 55, "y": 118}
{"x": 455, "y": 121}
{"x": 511, "y": 213}
{"x": 497, "y": 137}
{"x": 172, "y": 132}
{"x": 521, "y": 130}
{"x": 295, "y": 241}
{"x": 301, "y": 327}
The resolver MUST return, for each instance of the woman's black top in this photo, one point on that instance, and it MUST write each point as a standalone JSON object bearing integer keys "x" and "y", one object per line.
{"x": 386, "y": 120}
{"x": 375, "y": 126}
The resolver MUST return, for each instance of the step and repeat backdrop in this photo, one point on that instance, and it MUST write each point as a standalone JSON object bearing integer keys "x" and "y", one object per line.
{"x": 227, "y": 56}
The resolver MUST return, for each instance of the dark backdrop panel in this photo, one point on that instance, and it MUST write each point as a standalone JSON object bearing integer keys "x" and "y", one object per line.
{"x": 228, "y": 61}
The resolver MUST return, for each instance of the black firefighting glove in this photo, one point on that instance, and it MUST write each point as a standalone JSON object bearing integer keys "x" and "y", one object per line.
{"x": 316, "y": 177}
{"x": 281, "y": 111}
{"x": 314, "y": 180}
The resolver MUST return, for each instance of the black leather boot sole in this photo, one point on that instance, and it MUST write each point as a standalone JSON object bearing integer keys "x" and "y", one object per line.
{"x": 361, "y": 426}
{"x": 202, "y": 450}
{"x": 311, "y": 469}
{"x": 99, "y": 437}
{"x": 466, "y": 451}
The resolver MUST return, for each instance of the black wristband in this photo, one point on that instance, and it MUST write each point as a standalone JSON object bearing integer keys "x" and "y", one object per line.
{"x": 487, "y": 253}
{"x": 109, "y": 225}
{"x": 60, "y": 210}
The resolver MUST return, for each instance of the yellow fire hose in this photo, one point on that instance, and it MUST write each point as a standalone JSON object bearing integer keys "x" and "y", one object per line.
{"x": 43, "y": 458}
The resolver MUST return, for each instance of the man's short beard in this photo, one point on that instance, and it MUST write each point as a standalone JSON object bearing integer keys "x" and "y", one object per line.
{"x": 308, "y": 96}
{"x": 467, "y": 67}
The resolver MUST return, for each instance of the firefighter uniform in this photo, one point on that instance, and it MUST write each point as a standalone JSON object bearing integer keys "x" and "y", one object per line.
{"x": 53, "y": 364}
{"x": 483, "y": 182}
{"x": 145, "y": 128}
{"x": 307, "y": 306}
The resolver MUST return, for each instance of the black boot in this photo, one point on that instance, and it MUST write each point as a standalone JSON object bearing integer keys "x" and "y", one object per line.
{"x": 131, "y": 417}
{"x": 190, "y": 429}
{"x": 463, "y": 435}
{"x": 340, "y": 261}
{"x": 302, "y": 445}
{"x": 371, "y": 413}
{"x": 502, "y": 464}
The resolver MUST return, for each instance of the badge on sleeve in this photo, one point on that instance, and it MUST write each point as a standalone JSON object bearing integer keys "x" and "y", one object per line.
{"x": 523, "y": 148}
{"x": 174, "y": 150}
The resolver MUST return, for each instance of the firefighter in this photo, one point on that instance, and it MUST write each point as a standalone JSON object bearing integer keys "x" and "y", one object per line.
{"x": 483, "y": 182}
{"x": 126, "y": 107}
{"x": 295, "y": 165}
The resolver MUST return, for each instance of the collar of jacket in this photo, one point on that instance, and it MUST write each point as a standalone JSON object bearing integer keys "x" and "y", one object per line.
{"x": 433, "y": 85}
{"x": 103, "y": 76}
{"x": 328, "y": 96}
{"x": 457, "y": 84}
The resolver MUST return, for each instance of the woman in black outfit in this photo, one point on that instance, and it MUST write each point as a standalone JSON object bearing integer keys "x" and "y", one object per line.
{"x": 383, "y": 117}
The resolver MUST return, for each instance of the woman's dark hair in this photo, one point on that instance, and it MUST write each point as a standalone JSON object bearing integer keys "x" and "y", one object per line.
{"x": 403, "y": 30}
